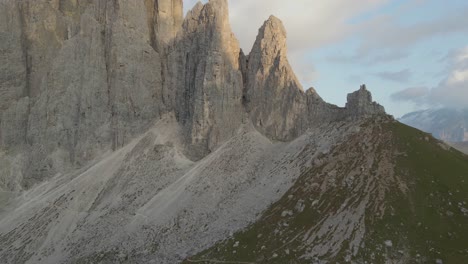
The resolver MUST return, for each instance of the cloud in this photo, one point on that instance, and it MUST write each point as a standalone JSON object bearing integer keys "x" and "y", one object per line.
{"x": 369, "y": 59}
{"x": 309, "y": 24}
{"x": 384, "y": 39}
{"x": 415, "y": 94}
{"x": 402, "y": 76}
{"x": 451, "y": 92}
{"x": 387, "y": 32}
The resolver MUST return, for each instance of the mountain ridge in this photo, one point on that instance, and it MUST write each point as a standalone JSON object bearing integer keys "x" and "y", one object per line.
{"x": 112, "y": 68}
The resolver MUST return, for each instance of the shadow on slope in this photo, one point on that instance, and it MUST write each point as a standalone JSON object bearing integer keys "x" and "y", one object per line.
{"x": 148, "y": 202}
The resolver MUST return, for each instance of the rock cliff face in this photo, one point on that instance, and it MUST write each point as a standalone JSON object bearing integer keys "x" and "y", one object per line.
{"x": 205, "y": 76}
{"x": 274, "y": 98}
{"x": 84, "y": 77}
{"x": 276, "y": 101}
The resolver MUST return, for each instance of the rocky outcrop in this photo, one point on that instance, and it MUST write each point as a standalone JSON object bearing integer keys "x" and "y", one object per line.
{"x": 274, "y": 98}
{"x": 360, "y": 104}
{"x": 205, "y": 78}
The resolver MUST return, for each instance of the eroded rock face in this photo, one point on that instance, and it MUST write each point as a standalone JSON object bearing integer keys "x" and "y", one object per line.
{"x": 168, "y": 19}
{"x": 84, "y": 77}
{"x": 274, "y": 98}
{"x": 360, "y": 104}
{"x": 12, "y": 66}
{"x": 205, "y": 78}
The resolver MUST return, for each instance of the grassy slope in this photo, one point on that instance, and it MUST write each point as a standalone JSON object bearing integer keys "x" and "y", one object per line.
{"x": 426, "y": 222}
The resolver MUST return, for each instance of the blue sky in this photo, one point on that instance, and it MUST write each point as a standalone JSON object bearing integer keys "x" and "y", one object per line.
{"x": 411, "y": 54}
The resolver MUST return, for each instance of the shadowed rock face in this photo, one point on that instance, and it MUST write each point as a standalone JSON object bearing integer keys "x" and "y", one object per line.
{"x": 84, "y": 77}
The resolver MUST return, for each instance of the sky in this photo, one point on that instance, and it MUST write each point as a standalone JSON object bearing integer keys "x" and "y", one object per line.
{"x": 411, "y": 54}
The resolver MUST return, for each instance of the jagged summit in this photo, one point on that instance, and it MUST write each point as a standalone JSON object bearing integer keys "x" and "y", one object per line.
{"x": 115, "y": 67}
{"x": 272, "y": 37}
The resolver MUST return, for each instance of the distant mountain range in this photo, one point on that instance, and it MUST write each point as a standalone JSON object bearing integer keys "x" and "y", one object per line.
{"x": 462, "y": 146}
{"x": 446, "y": 124}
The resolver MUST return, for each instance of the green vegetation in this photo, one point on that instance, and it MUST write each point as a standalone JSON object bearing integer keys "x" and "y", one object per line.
{"x": 421, "y": 217}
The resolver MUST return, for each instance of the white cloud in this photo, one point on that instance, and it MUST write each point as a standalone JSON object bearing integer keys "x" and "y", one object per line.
{"x": 461, "y": 56}
{"x": 310, "y": 24}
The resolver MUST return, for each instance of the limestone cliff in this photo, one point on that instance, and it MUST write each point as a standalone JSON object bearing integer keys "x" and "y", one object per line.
{"x": 205, "y": 76}
{"x": 81, "y": 78}
{"x": 273, "y": 96}
{"x": 276, "y": 101}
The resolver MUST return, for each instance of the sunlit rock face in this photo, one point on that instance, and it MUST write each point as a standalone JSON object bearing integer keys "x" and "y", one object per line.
{"x": 204, "y": 78}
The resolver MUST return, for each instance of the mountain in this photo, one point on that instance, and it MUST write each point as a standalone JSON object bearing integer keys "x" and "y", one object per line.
{"x": 132, "y": 134}
{"x": 446, "y": 124}
{"x": 462, "y": 146}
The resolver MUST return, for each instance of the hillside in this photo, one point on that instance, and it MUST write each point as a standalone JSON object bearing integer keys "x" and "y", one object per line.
{"x": 166, "y": 206}
{"x": 399, "y": 196}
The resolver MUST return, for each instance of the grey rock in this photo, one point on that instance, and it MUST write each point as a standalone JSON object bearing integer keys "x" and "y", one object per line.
{"x": 14, "y": 123}
{"x": 204, "y": 75}
{"x": 91, "y": 72}
{"x": 274, "y": 98}
{"x": 167, "y": 20}
{"x": 86, "y": 77}
{"x": 12, "y": 66}
{"x": 360, "y": 104}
